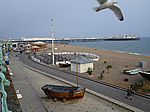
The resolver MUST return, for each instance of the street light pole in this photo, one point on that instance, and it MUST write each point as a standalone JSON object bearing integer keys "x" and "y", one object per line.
{"x": 52, "y": 34}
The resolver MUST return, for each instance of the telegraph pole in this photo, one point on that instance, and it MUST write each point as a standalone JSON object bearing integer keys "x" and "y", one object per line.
{"x": 52, "y": 35}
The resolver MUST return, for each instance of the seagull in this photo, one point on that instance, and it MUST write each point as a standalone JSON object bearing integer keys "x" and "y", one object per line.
{"x": 104, "y": 4}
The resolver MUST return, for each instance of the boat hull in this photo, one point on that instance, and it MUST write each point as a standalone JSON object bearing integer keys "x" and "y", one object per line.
{"x": 63, "y": 92}
{"x": 145, "y": 74}
{"x": 132, "y": 71}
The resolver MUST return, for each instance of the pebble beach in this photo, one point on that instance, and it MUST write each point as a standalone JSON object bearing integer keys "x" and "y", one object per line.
{"x": 119, "y": 62}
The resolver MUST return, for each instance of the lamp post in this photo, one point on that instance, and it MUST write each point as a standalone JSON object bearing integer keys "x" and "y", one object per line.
{"x": 77, "y": 74}
{"x": 52, "y": 34}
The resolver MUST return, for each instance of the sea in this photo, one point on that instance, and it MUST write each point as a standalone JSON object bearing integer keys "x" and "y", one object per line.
{"x": 136, "y": 47}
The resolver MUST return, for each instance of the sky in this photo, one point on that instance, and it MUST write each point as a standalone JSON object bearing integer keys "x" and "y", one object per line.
{"x": 72, "y": 18}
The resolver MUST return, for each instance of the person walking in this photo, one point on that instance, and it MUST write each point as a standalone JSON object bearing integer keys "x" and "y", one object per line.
{"x": 129, "y": 93}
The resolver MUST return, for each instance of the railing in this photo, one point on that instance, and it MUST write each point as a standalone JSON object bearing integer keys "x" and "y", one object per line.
{"x": 3, "y": 81}
{"x": 3, "y": 95}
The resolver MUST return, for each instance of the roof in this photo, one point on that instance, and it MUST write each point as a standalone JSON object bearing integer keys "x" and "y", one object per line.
{"x": 39, "y": 43}
{"x": 35, "y": 47}
{"x": 81, "y": 60}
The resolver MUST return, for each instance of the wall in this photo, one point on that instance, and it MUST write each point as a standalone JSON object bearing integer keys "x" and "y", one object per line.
{"x": 82, "y": 68}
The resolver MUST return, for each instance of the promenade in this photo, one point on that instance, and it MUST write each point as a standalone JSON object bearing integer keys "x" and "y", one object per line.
{"x": 29, "y": 83}
{"x": 138, "y": 101}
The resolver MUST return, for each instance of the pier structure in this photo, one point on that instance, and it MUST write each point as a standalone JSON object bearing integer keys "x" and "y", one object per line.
{"x": 80, "y": 39}
{"x": 125, "y": 37}
{"x": 58, "y": 40}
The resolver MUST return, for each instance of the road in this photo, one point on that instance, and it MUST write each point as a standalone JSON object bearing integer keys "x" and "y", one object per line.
{"x": 117, "y": 94}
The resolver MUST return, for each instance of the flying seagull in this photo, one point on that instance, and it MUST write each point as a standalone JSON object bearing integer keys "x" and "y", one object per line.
{"x": 104, "y": 4}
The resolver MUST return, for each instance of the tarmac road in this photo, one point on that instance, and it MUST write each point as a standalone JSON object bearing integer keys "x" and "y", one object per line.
{"x": 117, "y": 94}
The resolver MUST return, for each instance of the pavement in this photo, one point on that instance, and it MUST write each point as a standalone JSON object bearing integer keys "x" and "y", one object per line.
{"x": 30, "y": 101}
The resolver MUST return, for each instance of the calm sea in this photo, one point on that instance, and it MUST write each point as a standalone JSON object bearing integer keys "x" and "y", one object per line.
{"x": 137, "y": 47}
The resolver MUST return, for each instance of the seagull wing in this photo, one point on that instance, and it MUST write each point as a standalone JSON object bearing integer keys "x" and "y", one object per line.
{"x": 117, "y": 12}
{"x": 101, "y": 1}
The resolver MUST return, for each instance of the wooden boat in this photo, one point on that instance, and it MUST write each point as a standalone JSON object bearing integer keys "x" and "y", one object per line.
{"x": 63, "y": 92}
{"x": 145, "y": 74}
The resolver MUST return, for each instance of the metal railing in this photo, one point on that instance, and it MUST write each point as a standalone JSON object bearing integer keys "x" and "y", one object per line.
{"x": 3, "y": 81}
{"x": 3, "y": 95}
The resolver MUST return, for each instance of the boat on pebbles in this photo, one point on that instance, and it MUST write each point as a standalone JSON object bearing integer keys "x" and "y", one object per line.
{"x": 63, "y": 92}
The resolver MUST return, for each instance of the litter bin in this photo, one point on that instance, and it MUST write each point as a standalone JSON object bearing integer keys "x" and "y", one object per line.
{"x": 7, "y": 62}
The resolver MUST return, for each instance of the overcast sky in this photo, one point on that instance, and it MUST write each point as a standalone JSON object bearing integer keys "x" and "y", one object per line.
{"x": 73, "y": 18}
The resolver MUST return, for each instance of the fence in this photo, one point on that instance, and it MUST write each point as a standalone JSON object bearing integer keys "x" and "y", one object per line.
{"x": 3, "y": 81}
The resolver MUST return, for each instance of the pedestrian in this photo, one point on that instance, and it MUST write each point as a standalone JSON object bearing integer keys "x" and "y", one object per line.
{"x": 129, "y": 93}
{"x": 28, "y": 56}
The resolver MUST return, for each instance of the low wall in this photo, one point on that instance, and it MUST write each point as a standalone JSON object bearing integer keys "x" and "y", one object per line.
{"x": 95, "y": 57}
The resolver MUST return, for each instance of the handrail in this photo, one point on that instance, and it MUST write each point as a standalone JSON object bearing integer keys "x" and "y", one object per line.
{"x": 3, "y": 81}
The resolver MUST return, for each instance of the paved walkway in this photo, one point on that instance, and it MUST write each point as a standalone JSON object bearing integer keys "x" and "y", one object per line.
{"x": 23, "y": 83}
{"x": 34, "y": 100}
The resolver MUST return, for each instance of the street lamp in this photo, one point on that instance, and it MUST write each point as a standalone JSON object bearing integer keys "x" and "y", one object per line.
{"x": 52, "y": 34}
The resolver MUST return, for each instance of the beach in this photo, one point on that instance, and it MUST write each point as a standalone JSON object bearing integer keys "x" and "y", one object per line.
{"x": 119, "y": 62}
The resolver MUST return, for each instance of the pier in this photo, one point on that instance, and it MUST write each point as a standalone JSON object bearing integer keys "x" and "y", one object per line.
{"x": 80, "y": 39}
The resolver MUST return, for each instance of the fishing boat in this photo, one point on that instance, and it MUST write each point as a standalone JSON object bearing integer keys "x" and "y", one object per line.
{"x": 132, "y": 71}
{"x": 145, "y": 74}
{"x": 63, "y": 92}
